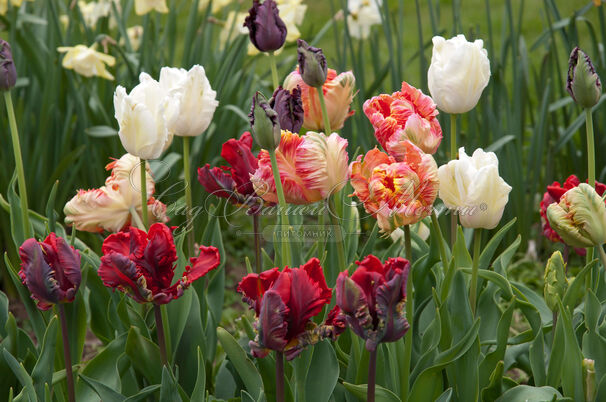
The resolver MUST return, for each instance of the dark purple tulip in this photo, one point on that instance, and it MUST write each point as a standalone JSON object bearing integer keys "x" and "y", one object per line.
{"x": 583, "y": 83}
{"x": 8, "y": 73}
{"x": 312, "y": 64}
{"x": 373, "y": 300}
{"x": 266, "y": 29}
{"x": 289, "y": 107}
{"x": 50, "y": 270}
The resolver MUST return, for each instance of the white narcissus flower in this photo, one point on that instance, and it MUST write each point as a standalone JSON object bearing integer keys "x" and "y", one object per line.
{"x": 233, "y": 26}
{"x": 87, "y": 61}
{"x": 111, "y": 207}
{"x": 145, "y": 117}
{"x": 472, "y": 186}
{"x": 362, "y": 15}
{"x": 196, "y": 99}
{"x": 143, "y": 7}
{"x": 95, "y": 10}
{"x": 217, "y": 6}
{"x": 135, "y": 34}
{"x": 459, "y": 72}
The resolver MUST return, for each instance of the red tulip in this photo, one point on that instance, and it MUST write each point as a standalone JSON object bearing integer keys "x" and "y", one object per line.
{"x": 142, "y": 264}
{"x": 232, "y": 182}
{"x": 284, "y": 303}
{"x": 373, "y": 299}
{"x": 50, "y": 270}
{"x": 553, "y": 195}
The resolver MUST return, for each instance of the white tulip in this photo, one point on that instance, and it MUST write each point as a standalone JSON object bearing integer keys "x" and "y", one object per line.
{"x": 459, "y": 72}
{"x": 145, "y": 116}
{"x": 473, "y": 187}
{"x": 197, "y": 100}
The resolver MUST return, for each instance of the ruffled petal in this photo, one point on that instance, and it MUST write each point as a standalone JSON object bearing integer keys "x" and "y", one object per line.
{"x": 253, "y": 287}
{"x": 38, "y": 276}
{"x": 119, "y": 272}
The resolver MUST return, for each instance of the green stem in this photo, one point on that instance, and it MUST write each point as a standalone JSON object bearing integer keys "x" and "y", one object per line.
{"x": 405, "y": 373}
{"x": 257, "y": 243}
{"x": 144, "y": 194}
{"x": 279, "y": 377}
{"x": 137, "y": 218}
{"x": 274, "y": 70}
{"x": 188, "y": 198}
{"x": 18, "y": 163}
{"x": 327, "y": 129}
{"x": 68, "y": 360}
{"x": 160, "y": 333}
{"x": 436, "y": 228}
{"x": 453, "y": 156}
{"x": 602, "y": 255}
{"x": 590, "y": 148}
{"x": 334, "y": 219}
{"x": 284, "y": 223}
{"x": 477, "y": 244}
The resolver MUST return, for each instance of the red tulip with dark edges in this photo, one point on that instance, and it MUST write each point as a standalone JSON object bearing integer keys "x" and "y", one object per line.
{"x": 373, "y": 299}
{"x": 553, "y": 194}
{"x": 285, "y": 302}
{"x": 50, "y": 270}
{"x": 142, "y": 264}
{"x": 233, "y": 182}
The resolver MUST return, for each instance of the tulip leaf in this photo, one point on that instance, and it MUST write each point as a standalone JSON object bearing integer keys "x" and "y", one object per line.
{"x": 144, "y": 393}
{"x": 3, "y": 313}
{"x": 536, "y": 355}
{"x": 168, "y": 390}
{"x": 144, "y": 355}
{"x": 495, "y": 385}
{"x": 495, "y": 278}
{"x": 323, "y": 373}
{"x": 381, "y": 394}
{"x": 576, "y": 289}
{"x": 243, "y": 365}
{"x": 106, "y": 393}
{"x": 491, "y": 360}
{"x": 572, "y": 371}
{"x": 524, "y": 393}
{"x": 21, "y": 374}
{"x": 43, "y": 371}
{"x": 199, "y": 392}
{"x": 493, "y": 243}
{"x": 101, "y": 131}
{"x": 446, "y": 396}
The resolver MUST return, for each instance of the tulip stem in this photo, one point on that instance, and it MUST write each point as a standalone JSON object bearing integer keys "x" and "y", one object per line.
{"x": 257, "y": 243}
{"x": 453, "y": 156}
{"x": 436, "y": 228}
{"x": 274, "y": 70}
{"x": 334, "y": 218}
{"x": 285, "y": 224}
{"x": 69, "y": 375}
{"x": 136, "y": 218}
{"x": 188, "y": 198}
{"x": 160, "y": 332}
{"x": 18, "y": 163}
{"x": 144, "y": 215}
{"x": 372, "y": 376}
{"x": 477, "y": 244}
{"x": 405, "y": 373}
{"x": 279, "y": 377}
{"x": 602, "y": 255}
{"x": 590, "y": 148}
{"x": 327, "y": 129}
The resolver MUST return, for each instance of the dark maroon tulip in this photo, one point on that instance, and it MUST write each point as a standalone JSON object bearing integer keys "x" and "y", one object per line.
{"x": 266, "y": 29}
{"x": 8, "y": 73}
{"x": 583, "y": 83}
{"x": 289, "y": 107}
{"x": 312, "y": 64}
{"x": 373, "y": 299}
{"x": 285, "y": 302}
{"x": 50, "y": 270}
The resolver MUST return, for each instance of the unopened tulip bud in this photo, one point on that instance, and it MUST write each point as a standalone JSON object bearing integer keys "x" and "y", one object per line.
{"x": 8, "y": 73}
{"x": 580, "y": 217}
{"x": 555, "y": 280}
{"x": 264, "y": 123}
{"x": 583, "y": 83}
{"x": 312, "y": 64}
{"x": 289, "y": 106}
{"x": 266, "y": 29}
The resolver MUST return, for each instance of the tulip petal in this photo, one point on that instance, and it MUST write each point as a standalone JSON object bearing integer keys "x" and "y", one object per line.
{"x": 64, "y": 260}
{"x": 158, "y": 258}
{"x": 238, "y": 153}
{"x": 38, "y": 276}
{"x": 273, "y": 325}
{"x": 207, "y": 260}
{"x": 253, "y": 287}
{"x": 119, "y": 272}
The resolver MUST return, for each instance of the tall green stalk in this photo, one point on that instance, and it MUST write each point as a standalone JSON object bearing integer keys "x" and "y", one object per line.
{"x": 405, "y": 368}
{"x": 284, "y": 223}
{"x": 436, "y": 227}
{"x": 327, "y": 129}
{"x": 274, "y": 70}
{"x": 590, "y": 148}
{"x": 144, "y": 195}
{"x": 188, "y": 198}
{"x": 18, "y": 164}
{"x": 477, "y": 244}
{"x": 334, "y": 219}
{"x": 69, "y": 375}
{"x": 453, "y": 156}
{"x": 160, "y": 333}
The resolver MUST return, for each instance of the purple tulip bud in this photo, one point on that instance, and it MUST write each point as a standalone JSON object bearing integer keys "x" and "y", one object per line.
{"x": 312, "y": 64}
{"x": 583, "y": 83}
{"x": 264, "y": 123}
{"x": 50, "y": 270}
{"x": 266, "y": 29}
{"x": 289, "y": 107}
{"x": 8, "y": 73}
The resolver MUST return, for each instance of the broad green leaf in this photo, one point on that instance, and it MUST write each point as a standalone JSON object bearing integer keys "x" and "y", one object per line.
{"x": 21, "y": 374}
{"x": 446, "y": 396}
{"x": 144, "y": 355}
{"x": 381, "y": 394}
{"x": 526, "y": 393}
{"x": 43, "y": 371}
{"x": 493, "y": 243}
{"x": 106, "y": 393}
{"x": 199, "y": 392}
{"x": 168, "y": 390}
{"x": 323, "y": 373}
{"x": 495, "y": 278}
{"x": 536, "y": 355}
{"x": 245, "y": 368}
